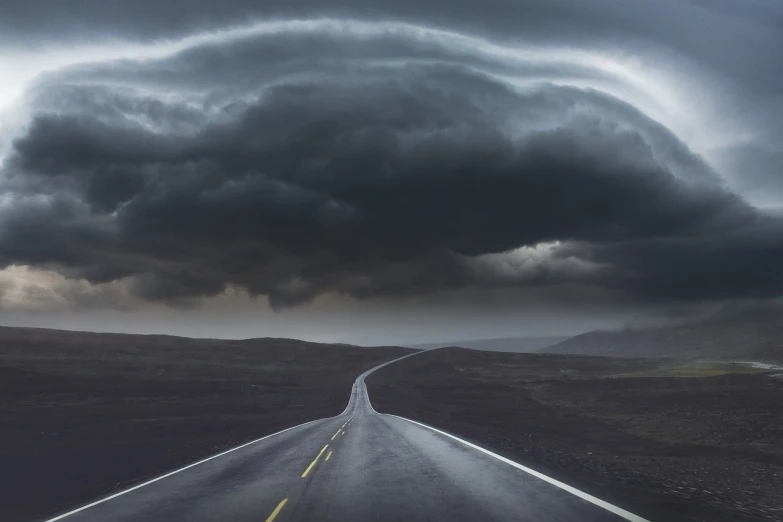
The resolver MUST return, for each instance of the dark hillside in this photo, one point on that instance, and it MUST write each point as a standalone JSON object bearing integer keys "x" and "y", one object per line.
{"x": 755, "y": 335}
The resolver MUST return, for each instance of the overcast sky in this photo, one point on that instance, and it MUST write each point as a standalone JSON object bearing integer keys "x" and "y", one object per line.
{"x": 396, "y": 172}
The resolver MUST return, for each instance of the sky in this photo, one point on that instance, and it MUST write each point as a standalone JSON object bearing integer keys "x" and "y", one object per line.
{"x": 387, "y": 173}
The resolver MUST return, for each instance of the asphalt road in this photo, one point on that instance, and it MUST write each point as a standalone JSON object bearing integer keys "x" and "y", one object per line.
{"x": 359, "y": 466}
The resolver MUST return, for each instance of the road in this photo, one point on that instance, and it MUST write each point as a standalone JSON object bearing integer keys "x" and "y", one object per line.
{"x": 358, "y": 466}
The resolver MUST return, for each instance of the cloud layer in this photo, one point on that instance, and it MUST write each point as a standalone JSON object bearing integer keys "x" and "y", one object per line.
{"x": 371, "y": 159}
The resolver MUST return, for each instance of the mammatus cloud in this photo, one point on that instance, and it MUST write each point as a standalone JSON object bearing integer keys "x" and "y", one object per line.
{"x": 294, "y": 159}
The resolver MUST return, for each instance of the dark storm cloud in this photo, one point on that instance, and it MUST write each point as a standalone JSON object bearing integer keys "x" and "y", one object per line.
{"x": 734, "y": 51}
{"x": 738, "y": 263}
{"x": 296, "y": 163}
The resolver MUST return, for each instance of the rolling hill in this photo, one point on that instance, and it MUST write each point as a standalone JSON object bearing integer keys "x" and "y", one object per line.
{"x": 755, "y": 334}
{"x": 506, "y": 344}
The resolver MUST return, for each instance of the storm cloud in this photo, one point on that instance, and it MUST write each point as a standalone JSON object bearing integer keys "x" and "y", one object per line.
{"x": 309, "y": 157}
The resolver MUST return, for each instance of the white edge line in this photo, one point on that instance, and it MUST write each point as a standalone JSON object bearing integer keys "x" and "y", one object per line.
{"x": 627, "y": 515}
{"x": 115, "y": 495}
{"x": 581, "y": 494}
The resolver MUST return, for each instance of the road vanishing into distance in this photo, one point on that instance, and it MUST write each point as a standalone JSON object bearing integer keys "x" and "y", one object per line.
{"x": 358, "y": 466}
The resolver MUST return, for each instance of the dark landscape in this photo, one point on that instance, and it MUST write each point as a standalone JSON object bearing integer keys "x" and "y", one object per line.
{"x": 85, "y": 414}
{"x": 675, "y": 440}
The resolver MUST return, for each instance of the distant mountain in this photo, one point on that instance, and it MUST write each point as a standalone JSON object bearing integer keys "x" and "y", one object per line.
{"x": 748, "y": 335}
{"x": 507, "y": 344}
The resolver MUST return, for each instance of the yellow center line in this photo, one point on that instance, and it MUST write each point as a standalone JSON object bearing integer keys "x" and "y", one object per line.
{"x": 343, "y": 433}
{"x": 271, "y": 517}
{"x": 328, "y": 456}
{"x": 313, "y": 463}
{"x": 336, "y": 434}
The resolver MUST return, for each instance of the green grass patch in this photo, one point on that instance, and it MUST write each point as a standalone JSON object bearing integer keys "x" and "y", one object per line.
{"x": 707, "y": 369}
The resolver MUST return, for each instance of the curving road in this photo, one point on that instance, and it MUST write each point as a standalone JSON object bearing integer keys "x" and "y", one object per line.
{"x": 358, "y": 466}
